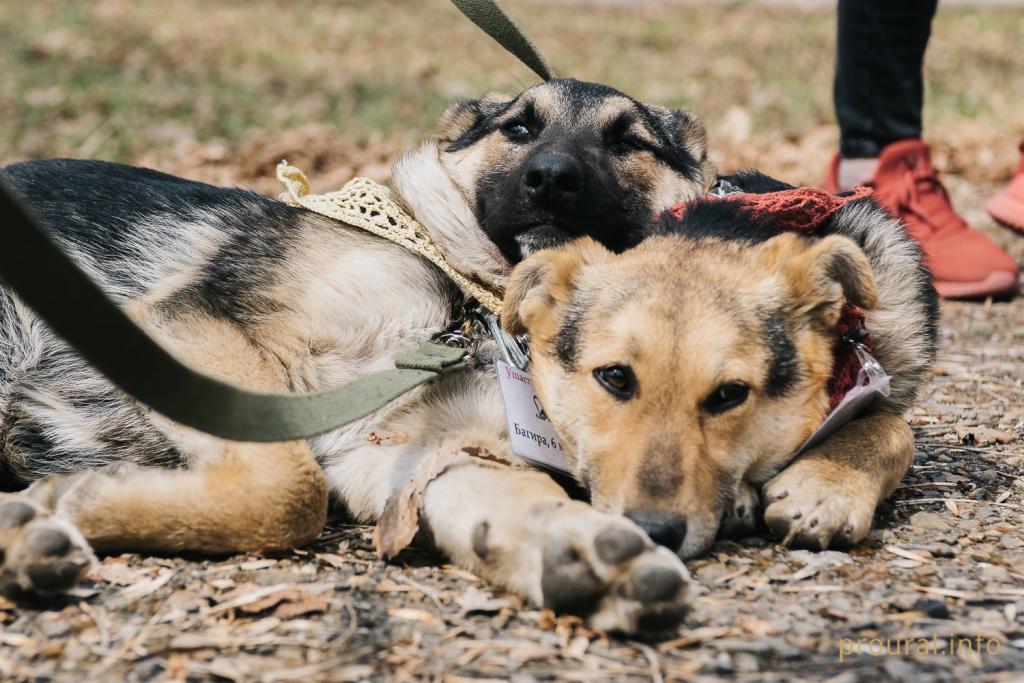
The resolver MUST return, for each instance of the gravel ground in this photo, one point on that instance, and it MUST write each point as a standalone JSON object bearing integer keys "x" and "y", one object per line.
{"x": 936, "y": 593}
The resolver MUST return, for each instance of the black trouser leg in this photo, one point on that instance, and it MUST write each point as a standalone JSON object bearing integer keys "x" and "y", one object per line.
{"x": 879, "y": 89}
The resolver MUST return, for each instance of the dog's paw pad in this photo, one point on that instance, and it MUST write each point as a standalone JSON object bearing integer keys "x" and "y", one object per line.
{"x": 655, "y": 584}
{"x": 810, "y": 510}
{"x": 743, "y": 514}
{"x": 618, "y": 545}
{"x": 40, "y": 554}
{"x": 569, "y": 583}
{"x": 605, "y": 569}
{"x": 16, "y": 513}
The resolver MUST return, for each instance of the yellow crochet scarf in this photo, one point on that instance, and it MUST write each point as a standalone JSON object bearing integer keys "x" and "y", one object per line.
{"x": 372, "y": 207}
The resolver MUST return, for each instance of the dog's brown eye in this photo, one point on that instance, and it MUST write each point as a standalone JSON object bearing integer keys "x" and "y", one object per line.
{"x": 726, "y": 397}
{"x": 617, "y": 380}
{"x": 516, "y": 130}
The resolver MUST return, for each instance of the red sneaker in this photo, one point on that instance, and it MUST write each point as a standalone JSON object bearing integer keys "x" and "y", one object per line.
{"x": 1007, "y": 207}
{"x": 965, "y": 263}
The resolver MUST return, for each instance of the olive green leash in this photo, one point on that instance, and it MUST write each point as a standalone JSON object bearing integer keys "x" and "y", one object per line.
{"x": 490, "y": 17}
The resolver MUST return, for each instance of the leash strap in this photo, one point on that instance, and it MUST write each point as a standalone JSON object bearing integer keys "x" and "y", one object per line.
{"x": 495, "y": 22}
{"x": 41, "y": 274}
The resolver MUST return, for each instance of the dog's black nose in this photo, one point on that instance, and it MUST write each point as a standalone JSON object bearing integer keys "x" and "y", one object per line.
{"x": 552, "y": 177}
{"x": 664, "y": 529}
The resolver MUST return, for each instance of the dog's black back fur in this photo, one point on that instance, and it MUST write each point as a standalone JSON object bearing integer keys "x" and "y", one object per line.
{"x": 126, "y": 226}
{"x": 98, "y": 210}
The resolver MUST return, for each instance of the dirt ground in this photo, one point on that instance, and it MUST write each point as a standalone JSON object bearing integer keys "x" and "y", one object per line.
{"x": 221, "y": 91}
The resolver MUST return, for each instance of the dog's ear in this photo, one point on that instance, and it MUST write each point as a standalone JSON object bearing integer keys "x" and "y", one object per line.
{"x": 692, "y": 134}
{"x": 687, "y": 131}
{"x": 462, "y": 117}
{"x": 821, "y": 275}
{"x": 542, "y": 285}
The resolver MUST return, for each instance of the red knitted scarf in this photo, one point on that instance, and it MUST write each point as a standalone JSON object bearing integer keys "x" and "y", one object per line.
{"x": 807, "y": 209}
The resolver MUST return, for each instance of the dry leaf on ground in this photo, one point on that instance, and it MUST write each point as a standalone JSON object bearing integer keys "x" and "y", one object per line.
{"x": 983, "y": 436}
{"x": 400, "y": 521}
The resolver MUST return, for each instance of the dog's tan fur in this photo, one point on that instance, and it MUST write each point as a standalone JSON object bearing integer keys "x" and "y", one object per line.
{"x": 238, "y": 497}
{"x": 685, "y": 330}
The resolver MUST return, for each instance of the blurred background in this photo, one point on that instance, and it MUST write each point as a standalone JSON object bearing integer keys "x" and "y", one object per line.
{"x": 221, "y": 90}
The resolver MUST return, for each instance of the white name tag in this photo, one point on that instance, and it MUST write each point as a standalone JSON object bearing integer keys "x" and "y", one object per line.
{"x": 532, "y": 436}
{"x": 872, "y": 381}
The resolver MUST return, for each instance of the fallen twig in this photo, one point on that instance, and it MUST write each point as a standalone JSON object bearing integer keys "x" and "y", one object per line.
{"x": 924, "y": 501}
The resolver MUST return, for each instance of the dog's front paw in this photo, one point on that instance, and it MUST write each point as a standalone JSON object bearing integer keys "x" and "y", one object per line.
{"x": 604, "y": 568}
{"x": 815, "y": 504}
{"x": 41, "y": 554}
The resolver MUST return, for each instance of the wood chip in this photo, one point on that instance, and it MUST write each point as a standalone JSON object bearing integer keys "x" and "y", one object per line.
{"x": 945, "y": 592}
{"x": 698, "y": 635}
{"x": 798, "y": 588}
{"x": 413, "y": 614}
{"x": 304, "y": 604}
{"x": 16, "y": 640}
{"x": 336, "y": 561}
{"x": 146, "y": 587}
{"x": 983, "y": 436}
{"x": 254, "y": 565}
{"x": 577, "y": 647}
{"x": 905, "y": 564}
{"x": 907, "y": 554}
{"x": 271, "y": 600}
{"x": 246, "y": 595}
{"x": 758, "y": 628}
{"x": 116, "y": 571}
{"x": 476, "y": 601}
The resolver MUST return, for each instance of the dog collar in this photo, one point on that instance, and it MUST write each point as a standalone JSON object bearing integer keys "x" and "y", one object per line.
{"x": 800, "y": 209}
{"x": 370, "y": 206}
{"x": 806, "y": 210}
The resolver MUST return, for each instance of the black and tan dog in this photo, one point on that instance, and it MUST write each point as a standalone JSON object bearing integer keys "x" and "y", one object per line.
{"x": 279, "y": 298}
{"x": 684, "y": 374}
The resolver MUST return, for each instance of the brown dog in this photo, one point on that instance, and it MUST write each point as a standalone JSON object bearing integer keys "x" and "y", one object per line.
{"x": 684, "y": 374}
